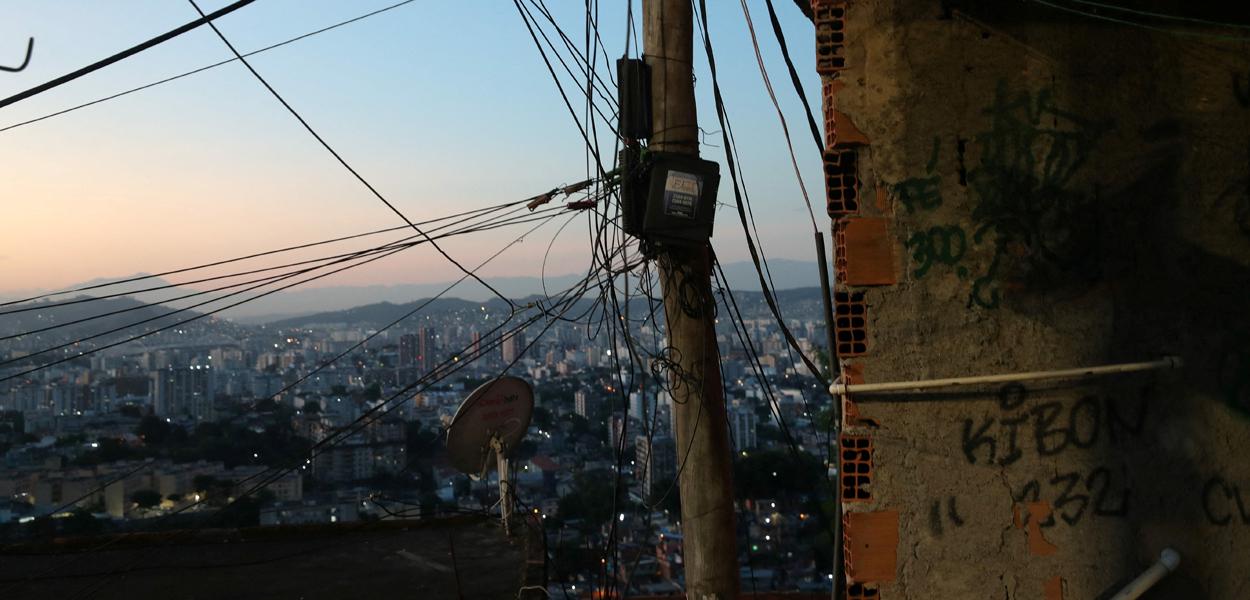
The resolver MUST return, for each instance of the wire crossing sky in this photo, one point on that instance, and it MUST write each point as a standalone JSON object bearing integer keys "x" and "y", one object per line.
{"x": 443, "y": 106}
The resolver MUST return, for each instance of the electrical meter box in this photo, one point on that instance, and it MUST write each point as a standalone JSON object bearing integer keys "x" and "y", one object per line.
{"x": 681, "y": 198}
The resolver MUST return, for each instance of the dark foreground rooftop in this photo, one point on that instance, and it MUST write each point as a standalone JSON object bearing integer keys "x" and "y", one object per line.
{"x": 389, "y": 559}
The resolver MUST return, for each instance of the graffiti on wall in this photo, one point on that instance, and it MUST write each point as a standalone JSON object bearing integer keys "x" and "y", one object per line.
{"x": 1036, "y": 226}
{"x": 943, "y": 515}
{"x": 1223, "y": 503}
{"x": 1020, "y": 430}
{"x": 1048, "y": 429}
{"x": 1075, "y": 494}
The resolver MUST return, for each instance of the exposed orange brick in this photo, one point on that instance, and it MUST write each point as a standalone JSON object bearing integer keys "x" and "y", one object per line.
{"x": 1039, "y": 545}
{"x": 883, "y": 200}
{"x": 841, "y": 182}
{"x": 840, "y": 130}
{"x": 853, "y": 372}
{"x": 848, "y": 134}
{"x": 859, "y": 591}
{"x": 850, "y": 323}
{"x": 871, "y": 548}
{"x": 839, "y": 250}
{"x": 829, "y": 89}
{"x": 869, "y": 252}
{"x": 830, "y": 21}
{"x": 855, "y": 468}
{"x": 1054, "y": 588}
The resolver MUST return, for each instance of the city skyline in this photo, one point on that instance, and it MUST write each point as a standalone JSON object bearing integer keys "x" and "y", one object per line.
{"x": 210, "y": 166}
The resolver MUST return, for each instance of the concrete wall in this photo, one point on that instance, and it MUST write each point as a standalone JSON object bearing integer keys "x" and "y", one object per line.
{"x": 1058, "y": 192}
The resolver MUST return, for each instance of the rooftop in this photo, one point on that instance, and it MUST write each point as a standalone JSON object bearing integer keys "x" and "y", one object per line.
{"x": 446, "y": 558}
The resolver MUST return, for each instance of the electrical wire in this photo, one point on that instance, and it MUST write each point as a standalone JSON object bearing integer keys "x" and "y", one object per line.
{"x": 1157, "y": 15}
{"x": 362, "y": 260}
{"x": 1167, "y": 30}
{"x": 794, "y": 75}
{"x": 124, "y": 54}
{"x": 433, "y": 376}
{"x": 343, "y": 162}
{"x": 204, "y": 68}
{"x": 246, "y": 257}
{"x": 404, "y": 243}
{"x": 738, "y": 196}
{"x": 330, "y": 362}
{"x": 785, "y": 129}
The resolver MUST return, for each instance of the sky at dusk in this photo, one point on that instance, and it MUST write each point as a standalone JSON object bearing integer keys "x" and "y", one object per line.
{"x": 443, "y": 106}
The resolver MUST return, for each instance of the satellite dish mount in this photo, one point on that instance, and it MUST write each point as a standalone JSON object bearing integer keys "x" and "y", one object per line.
{"x": 492, "y": 420}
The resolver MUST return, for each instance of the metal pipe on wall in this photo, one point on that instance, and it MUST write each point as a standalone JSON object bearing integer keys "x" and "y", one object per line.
{"x": 841, "y": 387}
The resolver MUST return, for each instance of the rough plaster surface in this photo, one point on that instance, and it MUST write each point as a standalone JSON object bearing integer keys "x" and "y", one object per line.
{"x": 1085, "y": 202}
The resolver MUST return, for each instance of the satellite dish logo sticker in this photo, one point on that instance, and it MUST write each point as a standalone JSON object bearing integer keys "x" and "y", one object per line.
{"x": 681, "y": 194}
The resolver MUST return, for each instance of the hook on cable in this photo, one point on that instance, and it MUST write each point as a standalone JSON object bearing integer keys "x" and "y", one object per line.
{"x": 30, "y": 49}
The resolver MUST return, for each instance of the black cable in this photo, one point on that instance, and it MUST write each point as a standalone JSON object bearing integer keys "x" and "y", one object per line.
{"x": 401, "y": 243}
{"x": 559, "y": 86}
{"x": 582, "y": 61}
{"x": 774, "y": 407}
{"x": 124, "y": 54}
{"x": 344, "y": 431}
{"x": 343, "y": 162}
{"x": 326, "y": 364}
{"x": 242, "y": 258}
{"x": 794, "y": 75}
{"x": 197, "y": 316}
{"x": 785, "y": 129}
{"x": 205, "y": 68}
{"x": 567, "y": 69}
{"x": 742, "y": 216}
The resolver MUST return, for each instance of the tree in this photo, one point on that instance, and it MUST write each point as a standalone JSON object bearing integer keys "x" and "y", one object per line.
{"x": 419, "y": 442}
{"x": 580, "y": 426}
{"x": 146, "y": 498}
{"x": 774, "y": 473}
{"x": 266, "y": 405}
{"x": 81, "y": 522}
{"x": 666, "y": 495}
{"x": 590, "y": 500}
{"x": 154, "y": 431}
{"x": 542, "y": 417}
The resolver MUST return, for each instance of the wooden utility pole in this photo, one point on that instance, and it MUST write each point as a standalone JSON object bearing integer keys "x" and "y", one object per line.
{"x": 703, "y": 448}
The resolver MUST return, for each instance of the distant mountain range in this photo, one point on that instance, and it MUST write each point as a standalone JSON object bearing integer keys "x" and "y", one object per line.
{"x": 344, "y": 303}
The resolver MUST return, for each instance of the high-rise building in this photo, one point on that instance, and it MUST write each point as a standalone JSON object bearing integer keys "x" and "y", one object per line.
{"x": 183, "y": 392}
{"x": 407, "y": 350}
{"x": 580, "y": 398}
{"x": 616, "y": 426}
{"x": 655, "y": 461}
{"x": 426, "y": 350}
{"x": 742, "y": 422}
{"x": 513, "y": 346}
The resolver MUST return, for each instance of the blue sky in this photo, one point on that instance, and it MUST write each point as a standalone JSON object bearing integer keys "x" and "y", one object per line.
{"x": 444, "y": 106}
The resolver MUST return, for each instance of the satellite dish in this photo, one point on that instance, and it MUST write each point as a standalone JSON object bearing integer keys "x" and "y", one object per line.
{"x": 498, "y": 411}
{"x": 492, "y": 420}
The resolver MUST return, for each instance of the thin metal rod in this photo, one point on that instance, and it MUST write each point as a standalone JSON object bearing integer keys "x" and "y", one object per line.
{"x": 835, "y": 417}
{"x": 1170, "y": 362}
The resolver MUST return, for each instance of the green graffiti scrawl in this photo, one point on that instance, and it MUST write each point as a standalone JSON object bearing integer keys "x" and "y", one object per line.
{"x": 1040, "y": 226}
{"x": 922, "y": 192}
